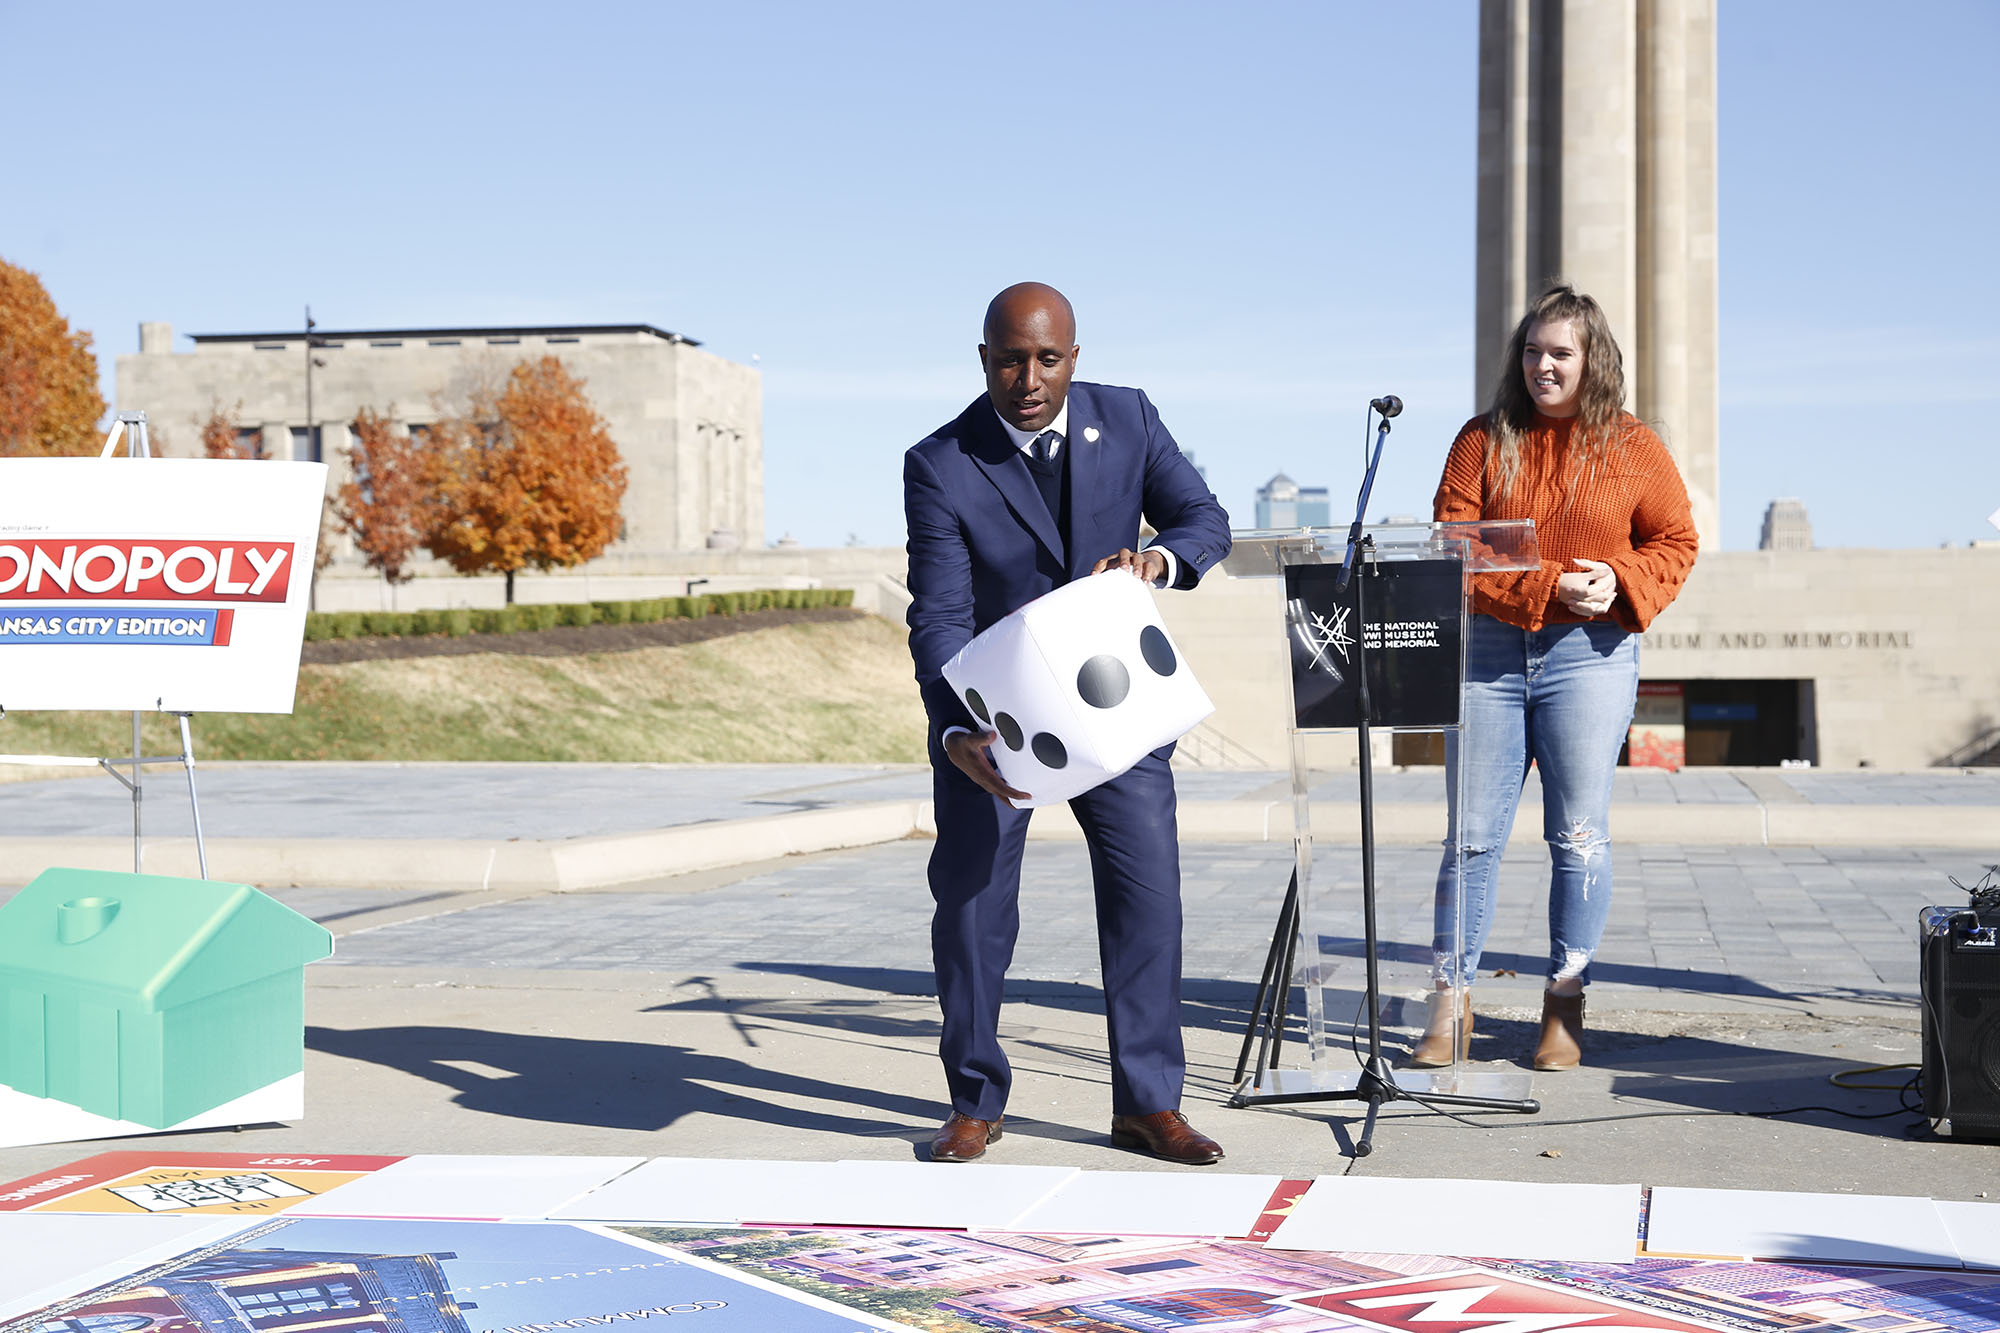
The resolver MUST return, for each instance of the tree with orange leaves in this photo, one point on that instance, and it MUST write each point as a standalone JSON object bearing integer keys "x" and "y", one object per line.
{"x": 527, "y": 477}
{"x": 383, "y": 506}
{"x": 222, "y": 433}
{"x": 49, "y": 403}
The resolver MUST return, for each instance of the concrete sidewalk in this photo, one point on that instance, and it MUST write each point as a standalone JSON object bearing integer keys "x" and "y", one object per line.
{"x": 563, "y": 827}
{"x": 779, "y": 1007}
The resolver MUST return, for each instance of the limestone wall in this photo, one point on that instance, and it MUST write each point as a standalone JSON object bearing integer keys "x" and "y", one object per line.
{"x": 1903, "y": 646}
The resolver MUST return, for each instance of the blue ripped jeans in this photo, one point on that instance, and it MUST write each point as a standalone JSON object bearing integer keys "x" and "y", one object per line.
{"x": 1561, "y": 696}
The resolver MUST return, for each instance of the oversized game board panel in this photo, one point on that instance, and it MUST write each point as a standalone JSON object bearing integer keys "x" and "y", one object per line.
{"x": 472, "y": 1188}
{"x": 1974, "y": 1229}
{"x": 1496, "y": 1218}
{"x": 907, "y": 1194}
{"x": 944, "y": 1282}
{"x": 923, "y": 1194}
{"x": 44, "y": 1257}
{"x": 165, "y": 1270}
{"x": 1821, "y": 1228}
{"x": 163, "y": 1183}
{"x": 702, "y": 1190}
{"x": 447, "y": 1277}
{"x": 1151, "y": 1203}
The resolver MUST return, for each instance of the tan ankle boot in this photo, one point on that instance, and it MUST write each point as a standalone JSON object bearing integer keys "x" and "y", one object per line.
{"x": 1434, "y": 1047}
{"x": 1561, "y": 1046}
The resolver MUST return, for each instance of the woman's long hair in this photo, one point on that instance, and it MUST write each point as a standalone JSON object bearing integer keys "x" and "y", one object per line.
{"x": 1600, "y": 401}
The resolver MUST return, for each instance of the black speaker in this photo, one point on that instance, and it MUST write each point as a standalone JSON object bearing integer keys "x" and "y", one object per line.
{"x": 1959, "y": 966}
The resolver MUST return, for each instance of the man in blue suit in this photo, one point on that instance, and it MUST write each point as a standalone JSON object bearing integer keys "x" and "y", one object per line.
{"x": 1038, "y": 482}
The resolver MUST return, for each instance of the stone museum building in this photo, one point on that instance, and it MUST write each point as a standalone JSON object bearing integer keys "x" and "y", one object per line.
{"x": 688, "y": 423}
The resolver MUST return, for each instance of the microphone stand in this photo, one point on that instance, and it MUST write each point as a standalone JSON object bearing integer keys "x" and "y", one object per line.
{"x": 1376, "y": 1084}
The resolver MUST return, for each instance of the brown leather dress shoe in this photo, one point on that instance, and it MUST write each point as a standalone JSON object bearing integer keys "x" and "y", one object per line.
{"x": 1166, "y": 1135}
{"x": 962, "y": 1138}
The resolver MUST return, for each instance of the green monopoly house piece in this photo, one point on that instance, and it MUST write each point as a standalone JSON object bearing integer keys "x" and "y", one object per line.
{"x": 147, "y": 998}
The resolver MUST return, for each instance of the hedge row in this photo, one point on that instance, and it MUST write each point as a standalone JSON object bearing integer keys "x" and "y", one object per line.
{"x": 509, "y": 619}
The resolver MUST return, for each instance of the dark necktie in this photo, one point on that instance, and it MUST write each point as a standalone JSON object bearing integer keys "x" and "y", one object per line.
{"x": 1047, "y": 471}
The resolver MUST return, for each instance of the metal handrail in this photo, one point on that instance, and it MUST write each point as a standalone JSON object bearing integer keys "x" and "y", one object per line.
{"x": 1982, "y": 751}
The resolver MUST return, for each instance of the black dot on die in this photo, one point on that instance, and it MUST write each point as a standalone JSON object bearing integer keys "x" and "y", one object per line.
{"x": 1159, "y": 654}
{"x": 1050, "y": 750}
{"x": 1010, "y": 730}
{"x": 1103, "y": 682}
{"x": 978, "y": 707}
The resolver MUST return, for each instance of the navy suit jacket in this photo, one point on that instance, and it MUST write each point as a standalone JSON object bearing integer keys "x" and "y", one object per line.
{"x": 982, "y": 543}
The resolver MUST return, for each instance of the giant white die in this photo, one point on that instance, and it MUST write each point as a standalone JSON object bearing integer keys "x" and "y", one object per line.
{"x": 1080, "y": 684}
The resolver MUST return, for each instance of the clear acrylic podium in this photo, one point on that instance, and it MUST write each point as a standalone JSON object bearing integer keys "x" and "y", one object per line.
{"x": 1401, "y": 619}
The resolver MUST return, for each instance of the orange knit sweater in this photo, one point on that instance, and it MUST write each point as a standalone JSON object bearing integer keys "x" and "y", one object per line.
{"x": 1633, "y": 515}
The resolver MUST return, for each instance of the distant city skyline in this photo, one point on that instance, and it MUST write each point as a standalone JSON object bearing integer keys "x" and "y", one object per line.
{"x": 1285, "y": 503}
{"x": 1258, "y": 226}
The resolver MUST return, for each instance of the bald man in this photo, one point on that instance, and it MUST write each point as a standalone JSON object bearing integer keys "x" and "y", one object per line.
{"x": 1039, "y": 481}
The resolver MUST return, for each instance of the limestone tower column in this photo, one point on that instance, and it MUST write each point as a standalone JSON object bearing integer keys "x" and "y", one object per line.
{"x": 1597, "y": 165}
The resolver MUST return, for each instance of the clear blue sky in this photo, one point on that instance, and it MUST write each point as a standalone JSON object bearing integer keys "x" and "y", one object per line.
{"x": 1264, "y": 214}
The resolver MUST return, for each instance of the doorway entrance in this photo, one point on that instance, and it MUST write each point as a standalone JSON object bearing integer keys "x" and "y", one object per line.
{"x": 1745, "y": 723}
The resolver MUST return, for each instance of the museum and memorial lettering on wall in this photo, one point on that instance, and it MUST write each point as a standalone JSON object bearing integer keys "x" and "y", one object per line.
{"x": 1815, "y": 640}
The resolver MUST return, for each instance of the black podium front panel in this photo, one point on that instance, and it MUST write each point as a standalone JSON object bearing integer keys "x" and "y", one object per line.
{"x": 1414, "y": 620}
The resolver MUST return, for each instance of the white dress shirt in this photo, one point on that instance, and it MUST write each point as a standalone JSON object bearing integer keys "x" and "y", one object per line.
{"x": 1025, "y": 439}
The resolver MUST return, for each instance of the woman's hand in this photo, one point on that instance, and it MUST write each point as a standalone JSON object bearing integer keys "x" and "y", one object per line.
{"x": 1590, "y": 592}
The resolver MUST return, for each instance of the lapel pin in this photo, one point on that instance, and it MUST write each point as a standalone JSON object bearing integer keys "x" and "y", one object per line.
{"x": 1090, "y": 434}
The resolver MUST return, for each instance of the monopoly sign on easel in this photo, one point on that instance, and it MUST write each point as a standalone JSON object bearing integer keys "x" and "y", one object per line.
{"x": 176, "y": 586}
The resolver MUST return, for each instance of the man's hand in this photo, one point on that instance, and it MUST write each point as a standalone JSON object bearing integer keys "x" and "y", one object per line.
{"x": 1148, "y": 565}
{"x": 1591, "y": 592}
{"x": 968, "y": 750}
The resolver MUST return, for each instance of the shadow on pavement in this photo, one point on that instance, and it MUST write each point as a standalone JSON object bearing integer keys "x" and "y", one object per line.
{"x": 1667, "y": 980}
{"x": 863, "y": 1018}
{"x": 1649, "y": 1071}
{"x": 860, "y": 1017}
{"x": 1679, "y": 1074}
{"x": 1205, "y": 1003}
{"x": 611, "y": 1084}
{"x": 1705, "y": 1074}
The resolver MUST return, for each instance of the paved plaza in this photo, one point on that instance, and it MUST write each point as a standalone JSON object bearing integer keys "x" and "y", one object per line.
{"x": 780, "y": 1006}
{"x": 1690, "y": 923}
{"x": 324, "y": 800}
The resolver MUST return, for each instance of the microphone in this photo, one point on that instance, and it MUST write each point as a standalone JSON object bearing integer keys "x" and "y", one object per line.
{"x": 1388, "y": 405}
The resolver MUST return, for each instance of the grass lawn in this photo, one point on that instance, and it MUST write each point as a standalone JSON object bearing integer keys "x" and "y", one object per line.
{"x": 839, "y": 693}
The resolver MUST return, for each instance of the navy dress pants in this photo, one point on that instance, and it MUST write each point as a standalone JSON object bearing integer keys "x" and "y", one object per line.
{"x": 975, "y": 878}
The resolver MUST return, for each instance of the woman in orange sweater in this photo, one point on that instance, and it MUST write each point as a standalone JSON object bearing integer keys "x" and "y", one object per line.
{"x": 1552, "y": 655}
